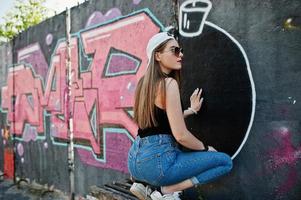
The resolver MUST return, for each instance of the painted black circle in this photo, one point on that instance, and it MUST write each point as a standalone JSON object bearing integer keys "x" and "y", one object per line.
{"x": 212, "y": 61}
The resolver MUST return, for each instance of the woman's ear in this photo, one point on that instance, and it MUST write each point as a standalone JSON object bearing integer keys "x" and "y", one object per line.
{"x": 157, "y": 56}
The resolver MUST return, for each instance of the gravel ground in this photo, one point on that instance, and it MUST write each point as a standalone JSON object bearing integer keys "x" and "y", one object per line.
{"x": 24, "y": 191}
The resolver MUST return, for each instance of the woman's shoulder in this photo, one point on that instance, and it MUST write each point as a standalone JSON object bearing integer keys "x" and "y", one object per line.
{"x": 171, "y": 83}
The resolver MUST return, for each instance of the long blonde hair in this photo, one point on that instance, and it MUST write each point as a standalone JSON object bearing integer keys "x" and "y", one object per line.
{"x": 144, "y": 107}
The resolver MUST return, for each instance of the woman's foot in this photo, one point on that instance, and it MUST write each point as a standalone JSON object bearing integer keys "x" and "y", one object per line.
{"x": 141, "y": 191}
{"x": 172, "y": 196}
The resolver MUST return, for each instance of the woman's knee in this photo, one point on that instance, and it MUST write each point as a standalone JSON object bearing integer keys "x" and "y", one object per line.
{"x": 224, "y": 160}
{"x": 229, "y": 165}
{"x": 227, "y": 162}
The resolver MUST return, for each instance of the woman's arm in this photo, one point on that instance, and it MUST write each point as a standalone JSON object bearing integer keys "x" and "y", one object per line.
{"x": 188, "y": 112}
{"x": 175, "y": 117}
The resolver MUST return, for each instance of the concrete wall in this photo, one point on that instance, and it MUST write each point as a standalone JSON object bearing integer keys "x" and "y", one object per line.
{"x": 243, "y": 55}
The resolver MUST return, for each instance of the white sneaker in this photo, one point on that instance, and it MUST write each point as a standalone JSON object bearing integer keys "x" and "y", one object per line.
{"x": 140, "y": 191}
{"x": 172, "y": 196}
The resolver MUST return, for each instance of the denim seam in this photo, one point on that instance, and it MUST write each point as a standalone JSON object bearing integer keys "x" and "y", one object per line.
{"x": 160, "y": 168}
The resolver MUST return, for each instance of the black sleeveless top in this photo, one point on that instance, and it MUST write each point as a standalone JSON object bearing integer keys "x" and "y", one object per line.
{"x": 162, "y": 127}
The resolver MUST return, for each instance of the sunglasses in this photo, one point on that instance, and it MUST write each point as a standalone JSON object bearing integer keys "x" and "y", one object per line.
{"x": 176, "y": 51}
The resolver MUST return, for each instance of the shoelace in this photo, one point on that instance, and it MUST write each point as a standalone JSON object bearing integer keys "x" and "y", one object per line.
{"x": 148, "y": 191}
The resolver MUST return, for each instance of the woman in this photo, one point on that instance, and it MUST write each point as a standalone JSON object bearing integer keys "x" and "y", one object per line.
{"x": 154, "y": 157}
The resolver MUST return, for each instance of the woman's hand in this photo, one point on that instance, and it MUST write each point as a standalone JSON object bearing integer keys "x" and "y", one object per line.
{"x": 196, "y": 100}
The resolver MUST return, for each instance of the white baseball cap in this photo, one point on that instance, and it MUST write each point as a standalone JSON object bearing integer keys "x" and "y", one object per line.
{"x": 155, "y": 41}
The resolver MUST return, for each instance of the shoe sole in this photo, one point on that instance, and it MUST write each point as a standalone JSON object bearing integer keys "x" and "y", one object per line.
{"x": 138, "y": 192}
{"x": 155, "y": 198}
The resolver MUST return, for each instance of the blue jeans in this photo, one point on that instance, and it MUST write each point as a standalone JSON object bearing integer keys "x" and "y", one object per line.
{"x": 157, "y": 160}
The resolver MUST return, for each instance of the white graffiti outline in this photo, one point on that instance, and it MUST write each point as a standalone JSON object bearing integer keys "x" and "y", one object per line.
{"x": 185, "y": 9}
{"x": 251, "y": 82}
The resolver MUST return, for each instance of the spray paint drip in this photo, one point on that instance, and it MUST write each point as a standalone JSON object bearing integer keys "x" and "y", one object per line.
{"x": 136, "y": 2}
{"x": 286, "y": 154}
{"x": 49, "y": 39}
{"x": 20, "y": 149}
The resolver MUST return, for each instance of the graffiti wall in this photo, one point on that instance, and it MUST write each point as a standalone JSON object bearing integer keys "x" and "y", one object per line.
{"x": 244, "y": 54}
{"x": 247, "y": 57}
{"x": 107, "y": 58}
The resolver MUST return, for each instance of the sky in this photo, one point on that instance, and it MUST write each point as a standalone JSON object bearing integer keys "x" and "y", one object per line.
{"x": 53, "y": 5}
